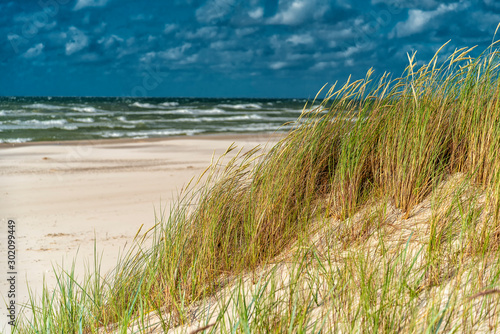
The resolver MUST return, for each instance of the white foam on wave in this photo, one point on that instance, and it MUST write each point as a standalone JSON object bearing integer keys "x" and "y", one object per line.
{"x": 15, "y": 140}
{"x": 255, "y": 128}
{"x": 49, "y": 122}
{"x": 211, "y": 111}
{"x": 43, "y": 106}
{"x": 182, "y": 111}
{"x": 123, "y": 119}
{"x": 97, "y": 112}
{"x": 169, "y": 104}
{"x": 160, "y": 112}
{"x": 85, "y": 120}
{"x": 144, "y": 105}
{"x": 298, "y": 111}
{"x": 4, "y": 112}
{"x": 217, "y": 119}
{"x": 148, "y": 133}
{"x": 230, "y": 118}
{"x": 195, "y": 111}
{"x": 85, "y": 109}
{"x": 241, "y": 106}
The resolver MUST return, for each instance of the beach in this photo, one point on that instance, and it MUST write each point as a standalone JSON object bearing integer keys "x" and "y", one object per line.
{"x": 66, "y": 197}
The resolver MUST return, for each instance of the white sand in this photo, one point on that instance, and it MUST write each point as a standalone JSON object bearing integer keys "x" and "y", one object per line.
{"x": 62, "y": 196}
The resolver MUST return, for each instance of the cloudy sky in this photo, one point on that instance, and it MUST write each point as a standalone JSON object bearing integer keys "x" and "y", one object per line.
{"x": 223, "y": 48}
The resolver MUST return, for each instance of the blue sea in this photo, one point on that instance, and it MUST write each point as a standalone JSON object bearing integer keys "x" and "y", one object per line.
{"x": 29, "y": 119}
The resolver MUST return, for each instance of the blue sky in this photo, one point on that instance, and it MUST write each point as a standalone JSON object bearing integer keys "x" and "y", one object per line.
{"x": 223, "y": 48}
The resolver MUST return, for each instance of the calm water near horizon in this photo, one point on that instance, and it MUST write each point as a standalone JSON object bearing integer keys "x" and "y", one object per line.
{"x": 26, "y": 119}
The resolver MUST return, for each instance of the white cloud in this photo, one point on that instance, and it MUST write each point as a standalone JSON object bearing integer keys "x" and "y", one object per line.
{"x": 202, "y": 33}
{"x": 350, "y": 51}
{"x": 170, "y": 27}
{"x": 214, "y": 10}
{"x": 303, "y": 39}
{"x": 323, "y": 65}
{"x": 175, "y": 53}
{"x": 224, "y": 45}
{"x": 257, "y": 13}
{"x": 278, "y": 65}
{"x": 77, "y": 41}
{"x": 34, "y": 51}
{"x": 170, "y": 54}
{"x": 109, "y": 41}
{"x": 418, "y": 20}
{"x": 241, "y": 32}
{"x": 294, "y": 12}
{"x": 90, "y": 3}
{"x": 189, "y": 60}
{"x": 148, "y": 57}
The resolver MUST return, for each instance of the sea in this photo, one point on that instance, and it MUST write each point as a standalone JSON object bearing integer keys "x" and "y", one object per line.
{"x": 33, "y": 119}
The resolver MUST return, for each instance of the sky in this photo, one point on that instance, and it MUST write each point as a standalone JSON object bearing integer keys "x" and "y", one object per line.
{"x": 223, "y": 48}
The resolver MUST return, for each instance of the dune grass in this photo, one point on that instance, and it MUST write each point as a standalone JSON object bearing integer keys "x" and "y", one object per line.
{"x": 378, "y": 212}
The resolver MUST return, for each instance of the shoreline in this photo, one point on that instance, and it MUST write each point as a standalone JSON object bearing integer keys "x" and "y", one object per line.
{"x": 66, "y": 195}
{"x": 214, "y": 136}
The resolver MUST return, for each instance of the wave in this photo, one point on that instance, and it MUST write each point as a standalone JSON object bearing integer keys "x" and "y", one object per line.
{"x": 164, "y": 105}
{"x": 77, "y": 118}
{"x": 211, "y": 111}
{"x": 181, "y": 111}
{"x": 35, "y": 124}
{"x": 144, "y": 105}
{"x": 50, "y": 122}
{"x": 169, "y": 104}
{"x": 141, "y": 121}
{"x": 148, "y": 133}
{"x": 84, "y": 120}
{"x": 231, "y": 118}
{"x": 85, "y": 109}
{"x": 77, "y": 108}
{"x": 160, "y": 112}
{"x": 298, "y": 111}
{"x": 43, "y": 106}
{"x": 15, "y": 140}
{"x": 97, "y": 112}
{"x": 253, "y": 106}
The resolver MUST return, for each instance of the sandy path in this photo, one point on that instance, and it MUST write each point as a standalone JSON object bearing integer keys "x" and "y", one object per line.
{"x": 63, "y": 195}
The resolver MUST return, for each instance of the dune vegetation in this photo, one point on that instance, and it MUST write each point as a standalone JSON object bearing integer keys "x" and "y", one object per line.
{"x": 379, "y": 212}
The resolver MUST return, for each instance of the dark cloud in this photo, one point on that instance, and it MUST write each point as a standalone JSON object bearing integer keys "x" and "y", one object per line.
{"x": 224, "y": 47}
